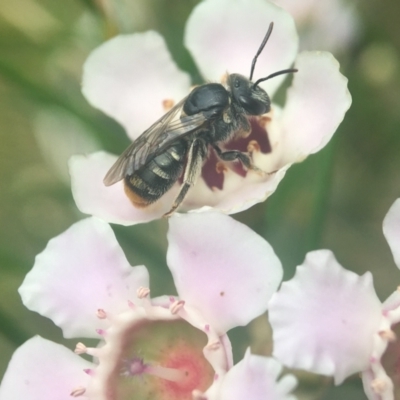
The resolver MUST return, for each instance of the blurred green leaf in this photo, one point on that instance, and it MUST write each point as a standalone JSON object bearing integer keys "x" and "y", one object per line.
{"x": 12, "y": 329}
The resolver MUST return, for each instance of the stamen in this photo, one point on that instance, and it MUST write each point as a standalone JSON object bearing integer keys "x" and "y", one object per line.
{"x": 80, "y": 348}
{"x": 388, "y": 335}
{"x": 253, "y": 146}
{"x": 263, "y": 120}
{"x": 101, "y": 314}
{"x": 101, "y": 332}
{"x": 79, "y": 391}
{"x": 224, "y": 78}
{"x": 89, "y": 371}
{"x": 220, "y": 167}
{"x": 142, "y": 292}
{"x": 176, "y": 307}
{"x": 168, "y": 104}
{"x": 378, "y": 386}
{"x": 214, "y": 345}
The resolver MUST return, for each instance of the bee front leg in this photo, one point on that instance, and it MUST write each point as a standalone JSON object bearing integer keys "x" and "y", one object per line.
{"x": 245, "y": 159}
{"x": 196, "y": 156}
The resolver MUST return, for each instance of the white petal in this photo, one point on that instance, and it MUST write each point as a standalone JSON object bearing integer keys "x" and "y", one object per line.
{"x": 224, "y": 35}
{"x": 222, "y": 268}
{"x": 80, "y": 271}
{"x": 109, "y": 203}
{"x": 391, "y": 230}
{"x": 130, "y": 76}
{"x": 255, "y": 378}
{"x": 59, "y": 135}
{"x": 43, "y": 370}
{"x": 325, "y": 318}
{"x": 316, "y": 104}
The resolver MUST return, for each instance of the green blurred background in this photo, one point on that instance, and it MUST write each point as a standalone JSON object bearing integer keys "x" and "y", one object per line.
{"x": 336, "y": 199}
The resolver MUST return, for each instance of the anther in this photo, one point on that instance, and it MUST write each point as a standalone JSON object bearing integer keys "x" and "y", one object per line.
{"x": 89, "y": 371}
{"x": 378, "y": 386}
{"x": 168, "y": 104}
{"x": 224, "y": 78}
{"x": 176, "y": 307}
{"x": 101, "y": 332}
{"x": 207, "y": 328}
{"x": 214, "y": 345}
{"x": 131, "y": 304}
{"x": 142, "y": 292}
{"x": 220, "y": 167}
{"x": 253, "y": 146}
{"x": 388, "y": 335}
{"x": 80, "y": 348}
{"x": 101, "y": 314}
{"x": 263, "y": 121}
{"x": 79, "y": 391}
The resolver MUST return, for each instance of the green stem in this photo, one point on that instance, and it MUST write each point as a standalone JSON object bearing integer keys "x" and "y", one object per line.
{"x": 321, "y": 197}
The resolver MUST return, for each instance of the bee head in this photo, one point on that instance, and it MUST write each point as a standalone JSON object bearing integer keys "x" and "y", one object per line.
{"x": 249, "y": 95}
{"x": 253, "y": 99}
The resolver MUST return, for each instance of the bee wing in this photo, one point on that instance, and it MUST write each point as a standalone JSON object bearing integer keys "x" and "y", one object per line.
{"x": 153, "y": 141}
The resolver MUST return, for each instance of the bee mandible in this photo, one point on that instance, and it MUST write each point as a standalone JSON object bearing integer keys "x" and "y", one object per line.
{"x": 180, "y": 141}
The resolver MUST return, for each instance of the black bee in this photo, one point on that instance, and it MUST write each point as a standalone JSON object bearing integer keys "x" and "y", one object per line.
{"x": 211, "y": 114}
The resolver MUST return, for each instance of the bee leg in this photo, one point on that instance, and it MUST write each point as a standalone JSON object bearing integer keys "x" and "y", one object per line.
{"x": 196, "y": 155}
{"x": 235, "y": 155}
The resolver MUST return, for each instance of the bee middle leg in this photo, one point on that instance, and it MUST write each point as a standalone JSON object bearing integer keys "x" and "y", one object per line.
{"x": 196, "y": 155}
{"x": 236, "y": 155}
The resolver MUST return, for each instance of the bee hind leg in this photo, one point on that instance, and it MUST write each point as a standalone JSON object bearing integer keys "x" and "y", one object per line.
{"x": 196, "y": 156}
{"x": 244, "y": 158}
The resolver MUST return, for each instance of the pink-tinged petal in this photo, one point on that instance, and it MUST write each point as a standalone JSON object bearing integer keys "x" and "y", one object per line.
{"x": 391, "y": 230}
{"x": 224, "y": 35}
{"x": 392, "y": 302}
{"x": 255, "y": 378}
{"x": 109, "y": 203}
{"x": 79, "y": 272}
{"x": 130, "y": 76}
{"x": 330, "y": 25}
{"x": 315, "y": 105}
{"x": 325, "y": 318}
{"x": 43, "y": 370}
{"x": 239, "y": 193}
{"x": 377, "y": 387}
{"x": 222, "y": 268}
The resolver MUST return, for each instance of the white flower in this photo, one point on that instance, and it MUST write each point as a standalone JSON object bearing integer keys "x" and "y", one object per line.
{"x": 330, "y": 321}
{"x": 132, "y": 78}
{"x": 167, "y": 347}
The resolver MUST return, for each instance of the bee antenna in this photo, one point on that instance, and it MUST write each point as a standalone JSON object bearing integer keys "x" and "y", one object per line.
{"x": 264, "y": 42}
{"x": 284, "y": 71}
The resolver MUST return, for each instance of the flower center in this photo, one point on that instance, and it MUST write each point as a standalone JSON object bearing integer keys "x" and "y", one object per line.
{"x": 152, "y": 352}
{"x": 171, "y": 364}
{"x": 258, "y": 140}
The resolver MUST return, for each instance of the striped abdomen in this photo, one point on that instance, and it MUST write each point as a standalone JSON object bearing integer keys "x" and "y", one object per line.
{"x": 150, "y": 182}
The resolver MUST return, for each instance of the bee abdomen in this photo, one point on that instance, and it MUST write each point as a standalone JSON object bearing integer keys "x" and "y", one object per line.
{"x": 150, "y": 182}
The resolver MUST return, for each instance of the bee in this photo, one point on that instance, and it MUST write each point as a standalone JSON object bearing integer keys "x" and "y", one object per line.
{"x": 180, "y": 141}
